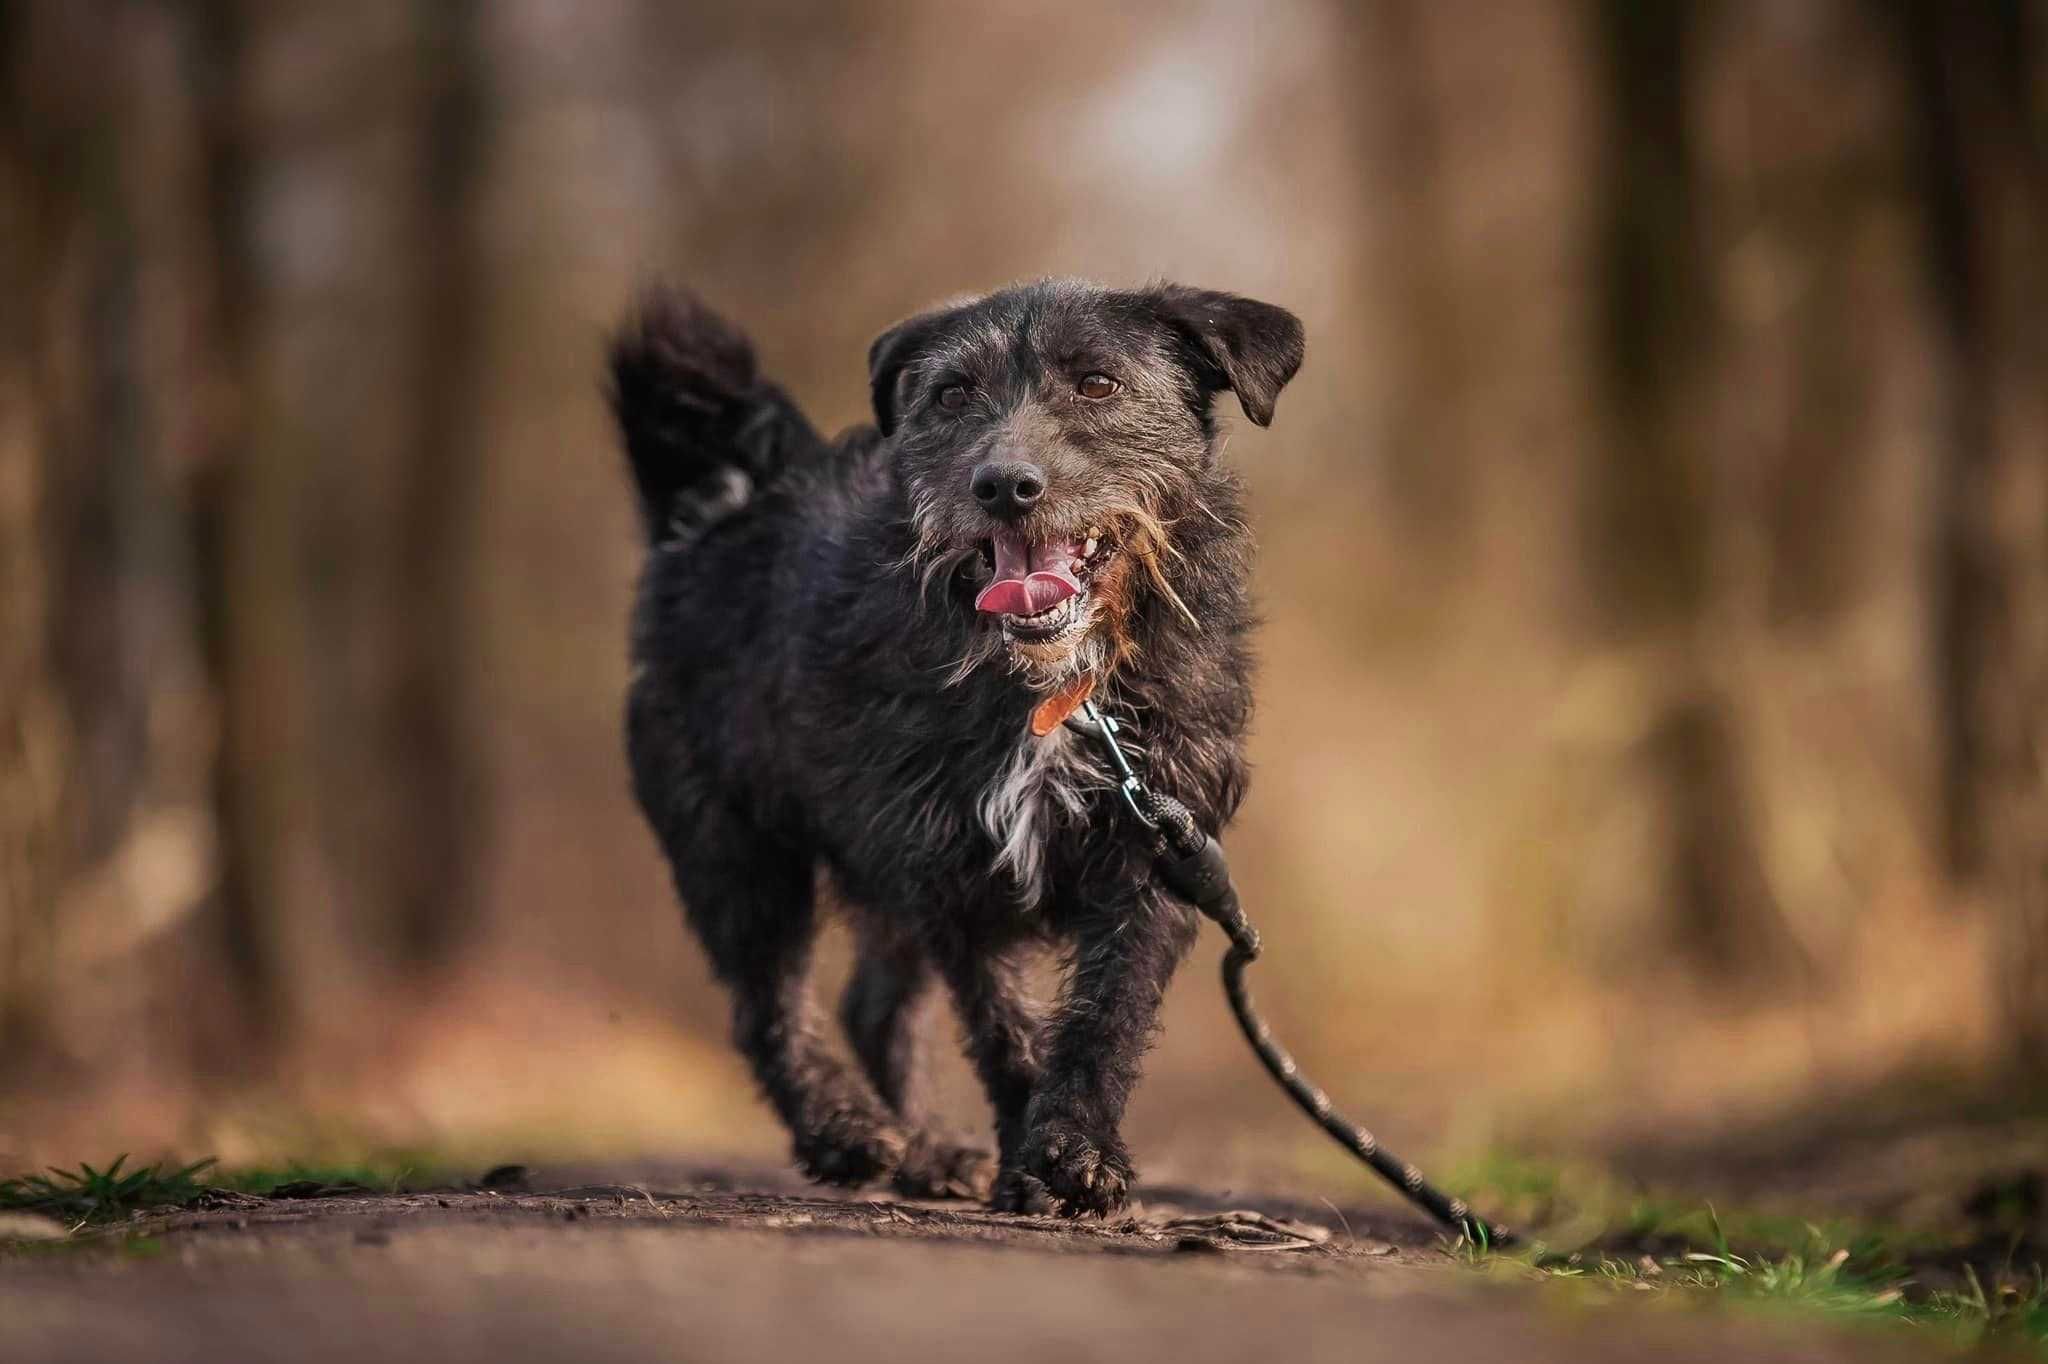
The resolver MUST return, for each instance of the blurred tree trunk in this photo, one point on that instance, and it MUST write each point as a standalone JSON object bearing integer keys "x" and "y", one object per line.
{"x": 431, "y": 754}
{"x": 234, "y": 496}
{"x": 1972, "y": 70}
{"x": 1426, "y": 458}
{"x": 1800, "y": 167}
{"x": 104, "y": 717}
{"x": 340, "y": 544}
{"x": 34, "y": 856}
{"x": 244, "y": 588}
{"x": 1654, "y": 496}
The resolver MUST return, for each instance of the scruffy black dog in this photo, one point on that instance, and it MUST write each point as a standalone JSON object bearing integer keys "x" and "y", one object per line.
{"x": 844, "y": 653}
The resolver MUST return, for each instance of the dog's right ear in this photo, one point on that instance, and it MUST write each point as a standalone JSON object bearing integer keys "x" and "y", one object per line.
{"x": 892, "y": 351}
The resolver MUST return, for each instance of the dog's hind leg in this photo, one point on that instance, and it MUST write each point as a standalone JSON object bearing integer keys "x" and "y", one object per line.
{"x": 751, "y": 902}
{"x": 880, "y": 1013}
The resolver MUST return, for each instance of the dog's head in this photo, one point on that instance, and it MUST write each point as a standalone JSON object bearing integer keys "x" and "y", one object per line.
{"x": 1048, "y": 438}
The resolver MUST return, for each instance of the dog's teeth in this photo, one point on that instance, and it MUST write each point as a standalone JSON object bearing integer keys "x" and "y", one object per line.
{"x": 1088, "y": 550}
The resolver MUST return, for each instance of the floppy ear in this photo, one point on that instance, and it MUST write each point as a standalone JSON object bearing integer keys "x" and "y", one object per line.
{"x": 1241, "y": 344}
{"x": 892, "y": 350}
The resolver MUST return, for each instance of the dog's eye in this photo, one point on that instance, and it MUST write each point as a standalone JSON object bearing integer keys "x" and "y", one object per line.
{"x": 953, "y": 397}
{"x": 1096, "y": 386}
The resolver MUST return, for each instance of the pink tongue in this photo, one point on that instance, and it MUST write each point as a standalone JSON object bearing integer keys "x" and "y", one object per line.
{"x": 1029, "y": 578}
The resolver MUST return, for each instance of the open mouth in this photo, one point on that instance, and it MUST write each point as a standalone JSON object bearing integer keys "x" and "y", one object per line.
{"x": 1039, "y": 588}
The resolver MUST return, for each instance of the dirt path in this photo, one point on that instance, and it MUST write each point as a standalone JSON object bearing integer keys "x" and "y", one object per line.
{"x": 678, "y": 1265}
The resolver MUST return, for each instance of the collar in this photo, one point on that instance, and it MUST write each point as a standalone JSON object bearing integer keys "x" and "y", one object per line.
{"x": 1053, "y": 711}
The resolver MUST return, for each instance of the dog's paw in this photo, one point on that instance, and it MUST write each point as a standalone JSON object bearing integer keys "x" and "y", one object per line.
{"x": 935, "y": 1168}
{"x": 1068, "y": 1173}
{"x": 1016, "y": 1191}
{"x": 850, "y": 1149}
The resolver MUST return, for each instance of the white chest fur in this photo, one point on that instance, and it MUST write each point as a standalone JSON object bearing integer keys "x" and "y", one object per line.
{"x": 1043, "y": 778}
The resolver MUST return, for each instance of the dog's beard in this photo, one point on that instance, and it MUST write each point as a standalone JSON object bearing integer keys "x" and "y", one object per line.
{"x": 1044, "y": 665}
{"x": 1052, "y": 664}
{"x": 1085, "y": 621}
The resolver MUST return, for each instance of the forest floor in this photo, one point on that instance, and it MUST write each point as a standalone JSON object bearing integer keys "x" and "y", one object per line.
{"x": 717, "y": 1264}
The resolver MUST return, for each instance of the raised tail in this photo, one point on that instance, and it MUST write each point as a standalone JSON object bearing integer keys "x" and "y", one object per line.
{"x": 702, "y": 430}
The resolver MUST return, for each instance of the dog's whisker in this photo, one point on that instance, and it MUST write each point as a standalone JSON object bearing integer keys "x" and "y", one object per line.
{"x": 983, "y": 648}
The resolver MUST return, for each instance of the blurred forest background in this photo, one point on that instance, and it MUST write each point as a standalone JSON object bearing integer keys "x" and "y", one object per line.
{"x": 1655, "y": 704}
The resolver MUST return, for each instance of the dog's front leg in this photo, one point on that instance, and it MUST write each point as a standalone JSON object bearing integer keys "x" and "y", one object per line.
{"x": 1073, "y": 1159}
{"x": 1003, "y": 1030}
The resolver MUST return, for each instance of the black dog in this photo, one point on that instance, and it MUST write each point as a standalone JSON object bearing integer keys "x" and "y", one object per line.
{"x": 851, "y": 659}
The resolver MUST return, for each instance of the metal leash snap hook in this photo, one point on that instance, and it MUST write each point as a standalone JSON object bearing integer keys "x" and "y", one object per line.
{"x": 1092, "y": 723}
{"x": 1090, "y": 720}
{"x": 1131, "y": 790}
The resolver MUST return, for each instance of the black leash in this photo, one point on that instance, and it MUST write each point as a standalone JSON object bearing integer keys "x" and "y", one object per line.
{"x": 1192, "y": 863}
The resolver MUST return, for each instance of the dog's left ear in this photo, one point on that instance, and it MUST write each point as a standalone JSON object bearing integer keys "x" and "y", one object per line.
{"x": 1241, "y": 344}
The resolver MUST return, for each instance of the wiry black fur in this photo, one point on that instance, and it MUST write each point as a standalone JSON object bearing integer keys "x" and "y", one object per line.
{"x": 813, "y": 690}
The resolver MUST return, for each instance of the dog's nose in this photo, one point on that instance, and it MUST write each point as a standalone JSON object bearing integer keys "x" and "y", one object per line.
{"x": 1007, "y": 489}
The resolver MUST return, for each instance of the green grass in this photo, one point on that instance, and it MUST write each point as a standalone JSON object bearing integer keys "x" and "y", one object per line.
{"x": 103, "y": 1195}
{"x": 90, "y": 1195}
{"x": 1827, "y": 1280}
{"x": 382, "y": 1176}
{"x": 1582, "y": 1225}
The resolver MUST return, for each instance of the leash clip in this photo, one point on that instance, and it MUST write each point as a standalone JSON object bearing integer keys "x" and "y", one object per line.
{"x": 1130, "y": 790}
{"x": 1090, "y": 721}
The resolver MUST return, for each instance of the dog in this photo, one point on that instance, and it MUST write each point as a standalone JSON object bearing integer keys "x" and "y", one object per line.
{"x": 849, "y": 663}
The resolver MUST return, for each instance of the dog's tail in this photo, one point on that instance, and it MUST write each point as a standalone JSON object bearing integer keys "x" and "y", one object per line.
{"x": 702, "y": 430}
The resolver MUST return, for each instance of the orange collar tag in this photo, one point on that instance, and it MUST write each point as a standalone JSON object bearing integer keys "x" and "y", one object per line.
{"x": 1053, "y": 711}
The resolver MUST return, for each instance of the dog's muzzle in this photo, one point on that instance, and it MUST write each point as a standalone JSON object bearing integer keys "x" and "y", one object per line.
{"x": 1038, "y": 587}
